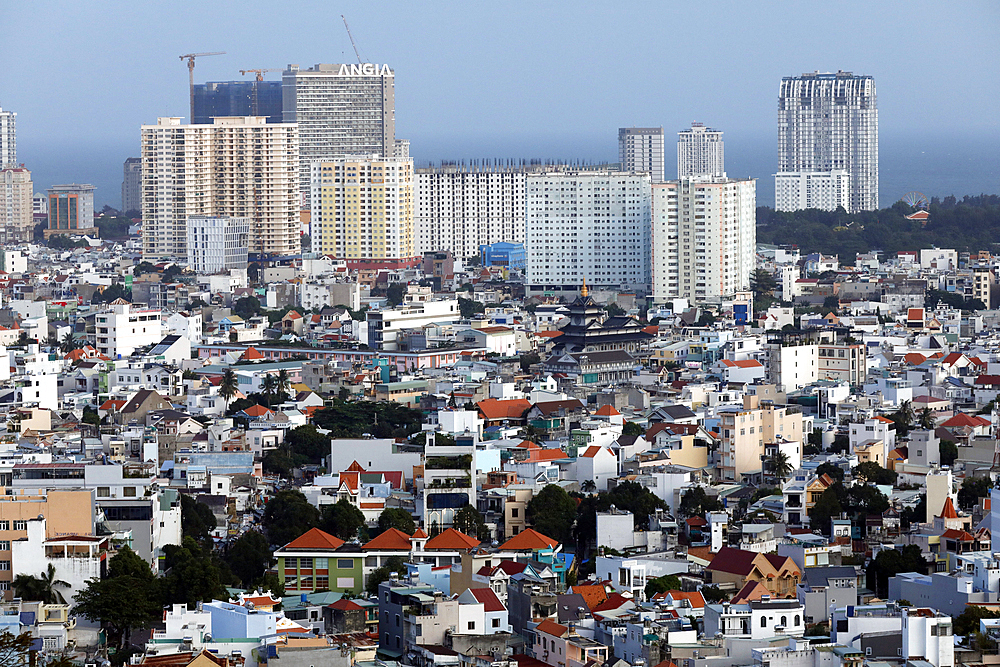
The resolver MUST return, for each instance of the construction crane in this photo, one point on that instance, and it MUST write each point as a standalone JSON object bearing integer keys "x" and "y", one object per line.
{"x": 352, "y": 39}
{"x": 190, "y": 58}
{"x": 254, "y": 106}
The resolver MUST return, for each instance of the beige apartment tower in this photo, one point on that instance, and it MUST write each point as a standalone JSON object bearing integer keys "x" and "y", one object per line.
{"x": 362, "y": 211}
{"x": 237, "y": 167}
{"x": 16, "y": 220}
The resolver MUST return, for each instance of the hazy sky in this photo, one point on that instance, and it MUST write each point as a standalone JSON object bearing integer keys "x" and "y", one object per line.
{"x": 545, "y": 79}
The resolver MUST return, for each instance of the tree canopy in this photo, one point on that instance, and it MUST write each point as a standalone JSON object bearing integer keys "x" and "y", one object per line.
{"x": 287, "y": 515}
{"x": 398, "y": 518}
{"x": 197, "y": 519}
{"x": 380, "y": 574}
{"x": 193, "y": 574}
{"x": 552, "y": 512}
{"x": 249, "y": 557}
{"x": 890, "y": 562}
{"x": 695, "y": 502}
{"x": 351, "y": 419}
{"x": 341, "y": 519}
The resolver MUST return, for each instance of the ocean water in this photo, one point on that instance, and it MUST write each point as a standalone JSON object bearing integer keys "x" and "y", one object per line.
{"x": 934, "y": 165}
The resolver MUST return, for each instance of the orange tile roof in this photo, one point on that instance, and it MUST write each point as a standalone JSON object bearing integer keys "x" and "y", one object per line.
{"x": 540, "y": 454}
{"x": 696, "y": 599}
{"x": 751, "y": 592}
{"x": 494, "y": 408}
{"x": 256, "y": 411}
{"x": 251, "y": 354}
{"x": 607, "y": 411}
{"x": 451, "y": 540}
{"x": 551, "y": 628}
{"x": 948, "y": 511}
{"x": 914, "y": 358}
{"x": 529, "y": 539}
{"x": 594, "y": 596}
{"x": 391, "y": 540}
{"x": 315, "y": 539}
{"x": 591, "y": 452}
{"x": 420, "y": 534}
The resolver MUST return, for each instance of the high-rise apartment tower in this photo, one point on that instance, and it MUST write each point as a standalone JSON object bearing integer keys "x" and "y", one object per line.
{"x": 704, "y": 238}
{"x": 591, "y": 226}
{"x": 340, "y": 110}
{"x": 362, "y": 211}
{"x": 829, "y": 122}
{"x": 132, "y": 184}
{"x": 641, "y": 149}
{"x": 16, "y": 219}
{"x": 8, "y": 139}
{"x": 238, "y": 167}
{"x": 700, "y": 152}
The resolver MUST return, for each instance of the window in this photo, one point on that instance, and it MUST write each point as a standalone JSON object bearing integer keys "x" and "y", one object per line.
{"x": 797, "y": 620}
{"x": 763, "y": 621}
{"x": 397, "y": 620}
{"x": 104, "y": 492}
{"x": 291, "y": 563}
{"x": 784, "y": 621}
{"x": 305, "y": 563}
{"x": 322, "y": 582}
{"x": 4, "y": 565}
{"x": 345, "y": 564}
{"x": 4, "y": 525}
{"x": 496, "y": 623}
{"x": 321, "y": 563}
{"x": 20, "y": 525}
{"x": 5, "y": 545}
{"x": 868, "y": 650}
{"x": 129, "y": 492}
{"x": 513, "y": 513}
{"x": 472, "y": 625}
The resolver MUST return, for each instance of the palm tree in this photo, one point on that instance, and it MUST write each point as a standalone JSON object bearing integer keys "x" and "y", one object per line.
{"x": 283, "y": 385}
{"x": 41, "y": 588}
{"x": 926, "y": 420}
{"x": 228, "y": 386}
{"x": 52, "y": 342}
{"x": 780, "y": 465}
{"x": 905, "y": 412}
{"x": 588, "y": 486}
{"x": 68, "y": 343}
{"x": 268, "y": 387}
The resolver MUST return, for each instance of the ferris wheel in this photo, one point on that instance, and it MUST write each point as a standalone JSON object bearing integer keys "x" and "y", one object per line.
{"x": 916, "y": 199}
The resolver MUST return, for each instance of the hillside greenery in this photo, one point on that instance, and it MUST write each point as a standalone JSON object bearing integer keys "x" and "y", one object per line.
{"x": 967, "y": 224}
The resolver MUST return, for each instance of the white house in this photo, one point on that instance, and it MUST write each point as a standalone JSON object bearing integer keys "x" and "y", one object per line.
{"x": 597, "y": 464}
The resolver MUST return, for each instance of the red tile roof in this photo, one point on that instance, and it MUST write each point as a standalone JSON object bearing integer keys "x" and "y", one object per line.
{"x": 251, "y": 354}
{"x": 607, "y": 411}
{"x": 452, "y": 540}
{"x": 489, "y": 599}
{"x": 529, "y": 539}
{"x": 960, "y": 419}
{"x": 733, "y": 561}
{"x": 696, "y": 599}
{"x": 552, "y": 628}
{"x": 345, "y": 605}
{"x": 594, "y": 596}
{"x": 393, "y": 539}
{"x": 494, "y": 408}
{"x": 948, "y": 511}
{"x": 315, "y": 539}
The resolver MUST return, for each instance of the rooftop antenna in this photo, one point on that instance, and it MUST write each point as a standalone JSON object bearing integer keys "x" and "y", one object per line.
{"x": 352, "y": 39}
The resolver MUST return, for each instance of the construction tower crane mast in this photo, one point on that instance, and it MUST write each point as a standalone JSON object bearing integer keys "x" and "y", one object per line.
{"x": 190, "y": 58}
{"x": 352, "y": 39}
{"x": 254, "y": 100}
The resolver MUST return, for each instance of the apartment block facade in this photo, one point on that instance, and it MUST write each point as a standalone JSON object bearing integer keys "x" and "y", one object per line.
{"x": 825, "y": 190}
{"x": 340, "y": 110}
{"x": 239, "y": 167}
{"x": 587, "y": 226}
{"x": 700, "y": 152}
{"x": 640, "y": 149}
{"x": 704, "y": 238}
{"x": 217, "y": 244}
{"x": 71, "y": 208}
{"x": 461, "y": 210}
{"x": 16, "y": 221}
{"x": 8, "y": 138}
{"x": 829, "y": 122}
{"x": 132, "y": 184}
{"x": 362, "y": 211}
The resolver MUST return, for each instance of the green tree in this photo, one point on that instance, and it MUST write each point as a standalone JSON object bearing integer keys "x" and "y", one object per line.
{"x": 269, "y": 386}
{"x": 68, "y": 343}
{"x": 713, "y": 594}
{"x": 197, "y": 519}
{"x": 588, "y": 486}
{"x": 552, "y": 512}
{"x": 527, "y": 360}
{"x": 308, "y": 443}
{"x": 967, "y": 622}
{"x": 872, "y": 472}
{"x": 229, "y": 385}
{"x": 926, "y": 419}
{"x": 468, "y": 520}
{"x": 91, "y": 416}
{"x": 43, "y": 588}
{"x": 247, "y": 307}
{"x": 469, "y": 308}
{"x": 835, "y": 472}
{"x": 868, "y": 499}
{"x": 249, "y": 557}
{"x": 380, "y": 574}
{"x": 192, "y": 574}
{"x": 972, "y": 489}
{"x": 948, "y": 451}
{"x": 670, "y": 582}
{"x": 127, "y": 600}
{"x": 351, "y": 419}
{"x": 695, "y": 502}
{"x": 395, "y": 293}
{"x": 287, "y": 515}
{"x": 282, "y": 385}
{"x": 890, "y": 562}
{"x": 15, "y": 650}
{"x": 762, "y": 283}
{"x": 632, "y": 428}
{"x": 827, "y": 508}
{"x": 341, "y": 519}
{"x": 398, "y": 518}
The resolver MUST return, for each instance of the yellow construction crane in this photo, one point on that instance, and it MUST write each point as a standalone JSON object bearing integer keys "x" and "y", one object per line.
{"x": 190, "y": 58}
{"x": 254, "y": 106}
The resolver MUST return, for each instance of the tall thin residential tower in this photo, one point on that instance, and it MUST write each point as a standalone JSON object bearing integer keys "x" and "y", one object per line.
{"x": 8, "y": 139}
{"x": 641, "y": 149}
{"x": 829, "y": 122}
{"x": 700, "y": 152}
